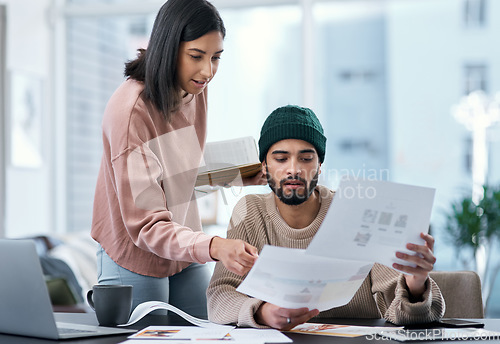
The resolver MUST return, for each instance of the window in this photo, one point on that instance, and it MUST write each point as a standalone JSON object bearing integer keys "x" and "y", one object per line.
{"x": 259, "y": 71}
{"x": 352, "y": 87}
{"x": 97, "y": 49}
{"x": 475, "y": 78}
{"x": 475, "y": 13}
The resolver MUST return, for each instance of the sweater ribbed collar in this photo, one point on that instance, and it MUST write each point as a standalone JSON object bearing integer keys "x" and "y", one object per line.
{"x": 325, "y": 197}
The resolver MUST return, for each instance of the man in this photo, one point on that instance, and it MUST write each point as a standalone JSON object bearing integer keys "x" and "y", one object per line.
{"x": 292, "y": 149}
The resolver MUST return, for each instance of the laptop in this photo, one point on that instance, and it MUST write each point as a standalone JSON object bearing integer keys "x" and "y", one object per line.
{"x": 25, "y": 307}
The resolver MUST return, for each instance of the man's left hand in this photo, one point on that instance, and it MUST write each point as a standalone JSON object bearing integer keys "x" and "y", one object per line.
{"x": 424, "y": 260}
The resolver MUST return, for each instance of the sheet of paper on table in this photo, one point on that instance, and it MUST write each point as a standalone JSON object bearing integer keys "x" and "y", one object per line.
{"x": 180, "y": 333}
{"x": 255, "y": 335}
{"x": 341, "y": 330}
{"x": 201, "y": 341}
{"x": 206, "y": 341}
{"x": 448, "y": 334}
{"x": 187, "y": 334}
{"x": 371, "y": 220}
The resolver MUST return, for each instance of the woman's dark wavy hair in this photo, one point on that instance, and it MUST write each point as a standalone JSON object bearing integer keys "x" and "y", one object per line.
{"x": 177, "y": 21}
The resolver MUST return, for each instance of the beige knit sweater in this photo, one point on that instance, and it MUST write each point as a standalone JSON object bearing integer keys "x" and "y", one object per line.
{"x": 383, "y": 293}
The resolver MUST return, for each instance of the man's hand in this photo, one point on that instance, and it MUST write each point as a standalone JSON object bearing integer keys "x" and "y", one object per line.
{"x": 236, "y": 255}
{"x": 424, "y": 260}
{"x": 283, "y": 318}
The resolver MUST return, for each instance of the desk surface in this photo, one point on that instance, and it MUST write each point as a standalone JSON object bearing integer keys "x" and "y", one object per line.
{"x": 89, "y": 318}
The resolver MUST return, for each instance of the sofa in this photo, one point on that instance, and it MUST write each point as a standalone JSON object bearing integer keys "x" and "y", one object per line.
{"x": 69, "y": 265}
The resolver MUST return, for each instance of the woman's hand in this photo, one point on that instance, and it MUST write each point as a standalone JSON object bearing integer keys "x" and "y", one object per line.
{"x": 236, "y": 255}
{"x": 283, "y": 318}
{"x": 258, "y": 179}
{"x": 424, "y": 260}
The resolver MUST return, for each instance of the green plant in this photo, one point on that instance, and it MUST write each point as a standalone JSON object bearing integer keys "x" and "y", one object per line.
{"x": 463, "y": 225}
{"x": 469, "y": 224}
{"x": 491, "y": 205}
{"x": 475, "y": 228}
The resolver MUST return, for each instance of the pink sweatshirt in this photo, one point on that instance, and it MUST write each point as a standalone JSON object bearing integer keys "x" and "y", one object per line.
{"x": 145, "y": 215}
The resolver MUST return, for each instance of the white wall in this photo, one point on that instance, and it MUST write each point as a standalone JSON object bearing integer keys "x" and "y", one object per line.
{"x": 29, "y": 192}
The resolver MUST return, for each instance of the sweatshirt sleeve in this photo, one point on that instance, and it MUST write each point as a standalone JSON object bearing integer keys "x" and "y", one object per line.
{"x": 140, "y": 181}
{"x": 393, "y": 298}
{"x": 225, "y": 304}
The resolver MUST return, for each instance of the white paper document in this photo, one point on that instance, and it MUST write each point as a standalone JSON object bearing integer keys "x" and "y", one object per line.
{"x": 188, "y": 334}
{"x": 289, "y": 278}
{"x": 194, "y": 341}
{"x": 254, "y": 335}
{"x": 341, "y": 330}
{"x": 147, "y": 307}
{"x": 181, "y": 333}
{"x": 368, "y": 221}
{"x": 371, "y": 220}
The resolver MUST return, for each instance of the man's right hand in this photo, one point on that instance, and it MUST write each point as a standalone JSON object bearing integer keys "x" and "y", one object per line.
{"x": 283, "y": 318}
{"x": 236, "y": 255}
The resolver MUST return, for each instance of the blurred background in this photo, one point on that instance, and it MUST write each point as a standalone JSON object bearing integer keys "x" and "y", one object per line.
{"x": 407, "y": 91}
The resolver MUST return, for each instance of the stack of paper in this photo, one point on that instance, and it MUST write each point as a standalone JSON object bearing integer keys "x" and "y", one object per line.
{"x": 204, "y": 331}
{"x": 190, "y": 334}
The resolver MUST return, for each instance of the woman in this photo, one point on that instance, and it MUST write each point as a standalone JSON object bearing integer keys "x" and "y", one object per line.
{"x": 154, "y": 128}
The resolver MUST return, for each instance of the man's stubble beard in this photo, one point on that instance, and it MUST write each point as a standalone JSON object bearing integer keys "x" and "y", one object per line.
{"x": 294, "y": 198}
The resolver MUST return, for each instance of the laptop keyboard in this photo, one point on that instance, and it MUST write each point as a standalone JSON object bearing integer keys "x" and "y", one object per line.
{"x": 67, "y": 330}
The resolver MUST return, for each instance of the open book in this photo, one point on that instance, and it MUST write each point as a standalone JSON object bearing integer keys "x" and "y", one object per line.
{"x": 225, "y": 161}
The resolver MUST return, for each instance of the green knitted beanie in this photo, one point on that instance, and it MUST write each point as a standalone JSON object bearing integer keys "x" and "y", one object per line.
{"x": 292, "y": 122}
